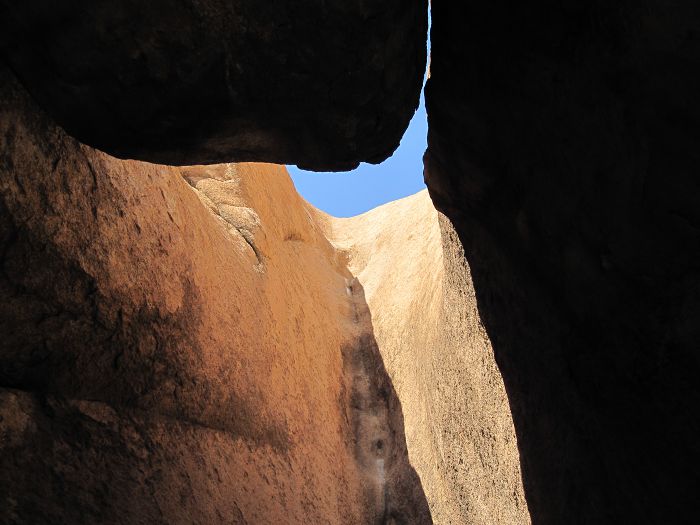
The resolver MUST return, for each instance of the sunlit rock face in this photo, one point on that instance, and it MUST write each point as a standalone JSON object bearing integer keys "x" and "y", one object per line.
{"x": 320, "y": 84}
{"x": 459, "y": 429}
{"x": 182, "y": 346}
{"x": 563, "y": 147}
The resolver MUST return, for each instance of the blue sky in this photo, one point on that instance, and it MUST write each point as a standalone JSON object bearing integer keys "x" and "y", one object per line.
{"x": 348, "y": 193}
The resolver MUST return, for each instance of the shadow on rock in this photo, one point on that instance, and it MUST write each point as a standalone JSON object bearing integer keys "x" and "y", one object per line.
{"x": 393, "y": 488}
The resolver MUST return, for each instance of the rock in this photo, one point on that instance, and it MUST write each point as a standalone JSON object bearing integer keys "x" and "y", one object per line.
{"x": 459, "y": 429}
{"x": 178, "y": 346}
{"x": 562, "y": 146}
{"x": 323, "y": 85}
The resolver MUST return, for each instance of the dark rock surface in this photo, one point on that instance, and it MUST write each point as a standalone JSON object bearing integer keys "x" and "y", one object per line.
{"x": 320, "y": 84}
{"x": 563, "y": 145}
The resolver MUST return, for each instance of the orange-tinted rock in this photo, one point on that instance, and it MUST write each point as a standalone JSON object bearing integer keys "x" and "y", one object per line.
{"x": 179, "y": 346}
{"x": 459, "y": 429}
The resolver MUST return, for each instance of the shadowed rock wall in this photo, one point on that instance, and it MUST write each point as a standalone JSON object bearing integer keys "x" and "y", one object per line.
{"x": 320, "y": 84}
{"x": 563, "y": 147}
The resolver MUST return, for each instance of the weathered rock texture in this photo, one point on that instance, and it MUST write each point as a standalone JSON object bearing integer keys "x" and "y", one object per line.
{"x": 458, "y": 425}
{"x": 181, "y": 346}
{"x": 563, "y": 146}
{"x": 321, "y": 84}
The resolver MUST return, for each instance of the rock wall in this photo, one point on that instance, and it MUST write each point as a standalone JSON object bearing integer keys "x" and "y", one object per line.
{"x": 459, "y": 428}
{"x": 181, "y": 346}
{"x": 562, "y": 146}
